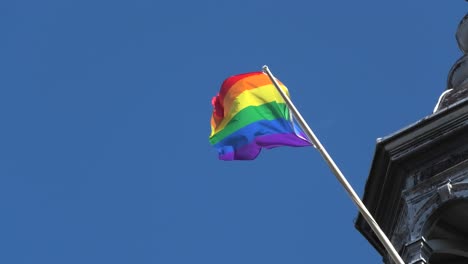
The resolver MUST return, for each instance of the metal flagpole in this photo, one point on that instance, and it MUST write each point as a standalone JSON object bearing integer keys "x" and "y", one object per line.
{"x": 339, "y": 175}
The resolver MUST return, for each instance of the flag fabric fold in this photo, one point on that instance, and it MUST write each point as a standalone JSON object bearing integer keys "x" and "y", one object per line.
{"x": 249, "y": 114}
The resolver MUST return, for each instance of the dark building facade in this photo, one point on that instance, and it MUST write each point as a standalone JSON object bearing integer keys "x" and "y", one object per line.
{"x": 417, "y": 189}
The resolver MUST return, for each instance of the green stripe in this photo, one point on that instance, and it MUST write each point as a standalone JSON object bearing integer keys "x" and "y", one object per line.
{"x": 252, "y": 114}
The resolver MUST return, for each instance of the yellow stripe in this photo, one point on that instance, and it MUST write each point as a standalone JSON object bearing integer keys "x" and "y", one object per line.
{"x": 261, "y": 95}
{"x": 255, "y": 97}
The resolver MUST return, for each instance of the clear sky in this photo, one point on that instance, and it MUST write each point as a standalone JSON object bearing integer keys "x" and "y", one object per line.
{"x": 104, "y": 124}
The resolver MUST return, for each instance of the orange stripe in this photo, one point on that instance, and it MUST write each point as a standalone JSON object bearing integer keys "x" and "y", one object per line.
{"x": 230, "y": 81}
{"x": 248, "y": 83}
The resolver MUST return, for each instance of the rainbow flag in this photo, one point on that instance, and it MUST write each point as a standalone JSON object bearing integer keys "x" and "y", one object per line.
{"x": 249, "y": 114}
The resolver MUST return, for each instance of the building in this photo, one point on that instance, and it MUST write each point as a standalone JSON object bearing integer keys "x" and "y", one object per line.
{"x": 417, "y": 188}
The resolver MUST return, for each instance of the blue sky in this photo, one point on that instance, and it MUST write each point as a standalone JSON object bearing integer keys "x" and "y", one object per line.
{"x": 105, "y": 108}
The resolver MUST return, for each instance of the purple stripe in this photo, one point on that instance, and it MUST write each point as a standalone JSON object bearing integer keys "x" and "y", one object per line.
{"x": 251, "y": 150}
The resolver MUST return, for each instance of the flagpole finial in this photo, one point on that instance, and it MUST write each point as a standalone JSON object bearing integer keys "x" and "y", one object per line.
{"x": 265, "y": 68}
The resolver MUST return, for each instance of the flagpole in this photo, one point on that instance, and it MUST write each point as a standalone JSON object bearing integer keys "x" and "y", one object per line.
{"x": 339, "y": 175}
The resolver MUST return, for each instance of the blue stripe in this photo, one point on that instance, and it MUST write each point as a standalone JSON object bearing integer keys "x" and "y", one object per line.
{"x": 247, "y": 134}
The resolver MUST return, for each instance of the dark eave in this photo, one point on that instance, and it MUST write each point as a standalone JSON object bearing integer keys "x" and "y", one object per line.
{"x": 396, "y": 154}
